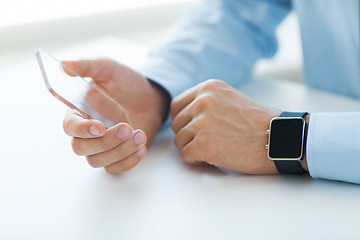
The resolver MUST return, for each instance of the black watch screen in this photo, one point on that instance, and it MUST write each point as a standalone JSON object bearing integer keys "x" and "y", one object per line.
{"x": 286, "y": 138}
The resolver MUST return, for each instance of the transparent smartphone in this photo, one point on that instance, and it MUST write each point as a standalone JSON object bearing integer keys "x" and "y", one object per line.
{"x": 82, "y": 95}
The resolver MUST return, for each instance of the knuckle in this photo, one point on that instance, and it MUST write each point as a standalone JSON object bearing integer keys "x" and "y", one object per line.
{"x": 206, "y": 143}
{"x": 177, "y": 141}
{"x": 186, "y": 155}
{"x": 173, "y": 105}
{"x": 174, "y": 108}
{"x": 205, "y": 102}
{"x": 202, "y": 122}
{"x": 211, "y": 99}
{"x": 202, "y": 140}
{"x": 213, "y": 84}
{"x": 200, "y": 104}
{"x": 177, "y": 123}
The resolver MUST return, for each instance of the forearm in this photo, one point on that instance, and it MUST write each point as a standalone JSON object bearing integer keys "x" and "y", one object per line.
{"x": 216, "y": 40}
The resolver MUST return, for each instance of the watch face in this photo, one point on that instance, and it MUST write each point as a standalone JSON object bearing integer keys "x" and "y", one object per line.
{"x": 286, "y": 138}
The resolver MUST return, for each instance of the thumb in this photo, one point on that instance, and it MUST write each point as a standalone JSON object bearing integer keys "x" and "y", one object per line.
{"x": 99, "y": 69}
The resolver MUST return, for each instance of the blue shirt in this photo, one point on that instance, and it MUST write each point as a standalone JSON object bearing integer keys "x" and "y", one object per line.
{"x": 224, "y": 38}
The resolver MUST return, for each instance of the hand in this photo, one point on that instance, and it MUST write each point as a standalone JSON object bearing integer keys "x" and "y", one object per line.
{"x": 118, "y": 148}
{"x": 216, "y": 124}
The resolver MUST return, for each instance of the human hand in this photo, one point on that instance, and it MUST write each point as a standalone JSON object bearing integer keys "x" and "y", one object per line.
{"x": 218, "y": 125}
{"x": 118, "y": 148}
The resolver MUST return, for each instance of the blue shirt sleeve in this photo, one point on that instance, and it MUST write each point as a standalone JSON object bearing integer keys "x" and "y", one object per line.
{"x": 218, "y": 39}
{"x": 333, "y": 146}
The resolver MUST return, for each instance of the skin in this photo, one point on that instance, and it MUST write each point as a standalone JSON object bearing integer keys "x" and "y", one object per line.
{"x": 214, "y": 123}
{"x": 218, "y": 125}
{"x": 118, "y": 148}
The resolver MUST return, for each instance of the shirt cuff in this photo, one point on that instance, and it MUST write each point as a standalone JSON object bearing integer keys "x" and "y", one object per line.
{"x": 333, "y": 146}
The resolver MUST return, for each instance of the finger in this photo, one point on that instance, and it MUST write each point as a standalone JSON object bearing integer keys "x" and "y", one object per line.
{"x": 189, "y": 154}
{"x": 113, "y": 137}
{"x": 76, "y": 126}
{"x": 189, "y": 112}
{"x": 120, "y": 152}
{"x": 98, "y": 69}
{"x": 184, "y": 136}
{"x": 188, "y": 96}
{"x": 127, "y": 163}
{"x": 181, "y": 119}
{"x": 182, "y": 101}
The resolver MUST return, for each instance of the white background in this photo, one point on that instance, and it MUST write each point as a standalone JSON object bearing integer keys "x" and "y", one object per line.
{"x": 54, "y": 25}
{"x": 24, "y": 12}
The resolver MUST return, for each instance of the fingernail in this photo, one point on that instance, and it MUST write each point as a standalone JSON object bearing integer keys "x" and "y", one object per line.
{"x": 139, "y": 138}
{"x": 94, "y": 131}
{"x": 123, "y": 132}
{"x": 140, "y": 152}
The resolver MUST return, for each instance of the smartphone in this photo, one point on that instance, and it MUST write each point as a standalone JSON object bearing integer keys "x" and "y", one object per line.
{"x": 82, "y": 95}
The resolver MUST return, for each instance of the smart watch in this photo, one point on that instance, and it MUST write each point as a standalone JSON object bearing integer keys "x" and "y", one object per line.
{"x": 287, "y": 139}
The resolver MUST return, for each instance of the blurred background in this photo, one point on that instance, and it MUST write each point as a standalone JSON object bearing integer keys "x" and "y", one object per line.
{"x": 54, "y": 25}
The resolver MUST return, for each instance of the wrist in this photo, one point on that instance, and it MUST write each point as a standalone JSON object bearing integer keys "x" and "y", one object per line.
{"x": 287, "y": 142}
{"x": 269, "y": 166}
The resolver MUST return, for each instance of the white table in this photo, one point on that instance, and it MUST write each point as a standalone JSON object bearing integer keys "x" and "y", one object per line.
{"x": 47, "y": 192}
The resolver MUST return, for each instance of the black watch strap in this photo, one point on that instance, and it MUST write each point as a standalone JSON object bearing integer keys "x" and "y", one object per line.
{"x": 294, "y": 114}
{"x": 289, "y": 166}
